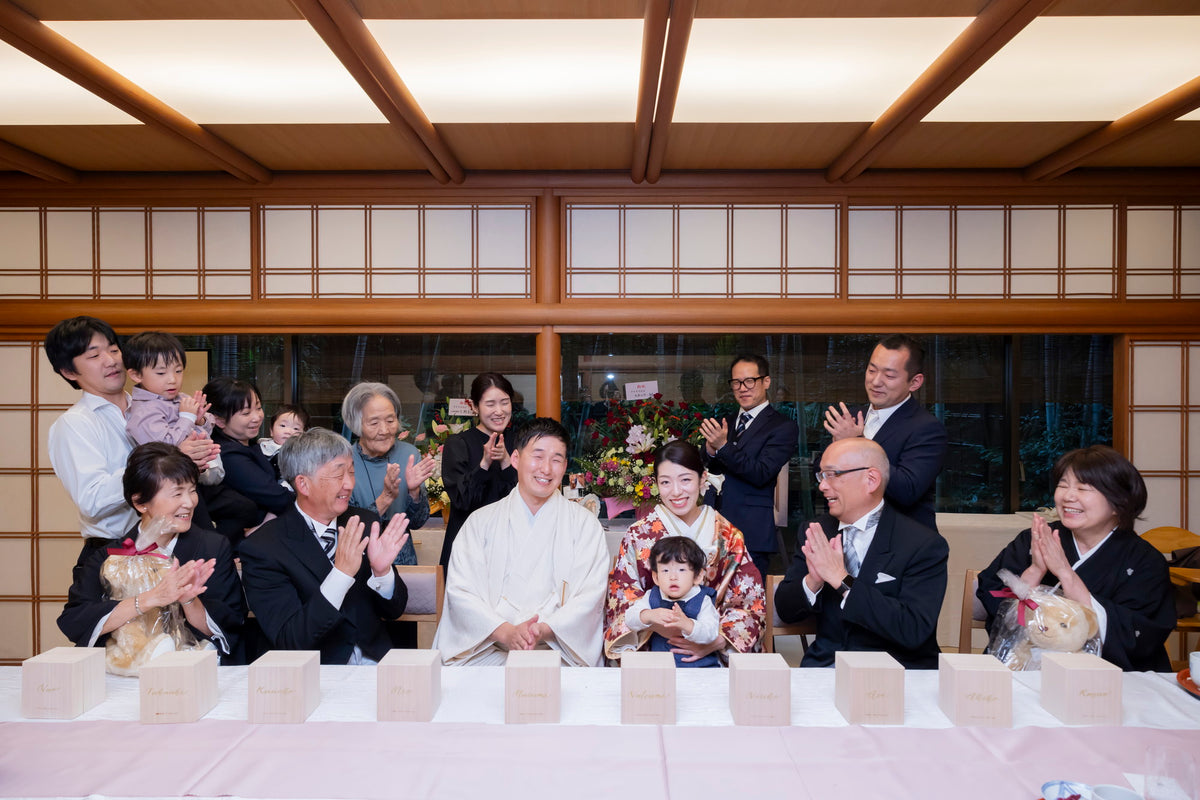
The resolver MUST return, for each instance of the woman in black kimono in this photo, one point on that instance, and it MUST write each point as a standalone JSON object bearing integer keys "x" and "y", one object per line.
{"x": 476, "y": 465}
{"x": 1097, "y": 559}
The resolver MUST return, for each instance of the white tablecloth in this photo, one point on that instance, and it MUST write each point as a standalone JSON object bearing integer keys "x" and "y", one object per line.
{"x": 467, "y": 752}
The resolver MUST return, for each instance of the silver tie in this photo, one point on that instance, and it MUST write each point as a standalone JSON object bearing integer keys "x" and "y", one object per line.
{"x": 849, "y": 534}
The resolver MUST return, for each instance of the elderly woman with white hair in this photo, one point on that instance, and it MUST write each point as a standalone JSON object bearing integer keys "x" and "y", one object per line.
{"x": 389, "y": 474}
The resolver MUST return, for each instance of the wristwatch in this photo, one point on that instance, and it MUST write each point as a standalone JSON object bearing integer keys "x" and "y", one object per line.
{"x": 846, "y": 584}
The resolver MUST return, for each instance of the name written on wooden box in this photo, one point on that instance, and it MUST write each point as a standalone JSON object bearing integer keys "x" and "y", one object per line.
{"x": 409, "y": 685}
{"x": 62, "y": 682}
{"x": 532, "y": 686}
{"x": 975, "y": 690}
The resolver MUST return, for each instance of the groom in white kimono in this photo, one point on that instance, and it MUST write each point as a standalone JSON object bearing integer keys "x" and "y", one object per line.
{"x": 528, "y": 571}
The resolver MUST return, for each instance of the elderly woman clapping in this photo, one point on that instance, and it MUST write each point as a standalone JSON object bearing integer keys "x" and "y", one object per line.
{"x": 389, "y": 474}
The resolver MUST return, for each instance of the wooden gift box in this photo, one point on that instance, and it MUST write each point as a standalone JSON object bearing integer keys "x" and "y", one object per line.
{"x": 647, "y": 688}
{"x": 532, "y": 686}
{"x": 760, "y": 689}
{"x": 409, "y": 686}
{"x": 62, "y": 682}
{"x": 869, "y": 688}
{"x": 284, "y": 686}
{"x": 179, "y": 686}
{"x": 1081, "y": 689}
{"x": 975, "y": 689}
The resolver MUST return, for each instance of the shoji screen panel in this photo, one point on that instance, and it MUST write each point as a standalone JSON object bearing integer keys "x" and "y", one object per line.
{"x": 1164, "y": 428}
{"x": 1163, "y": 252}
{"x": 702, "y": 250}
{"x": 461, "y": 251}
{"x": 125, "y": 253}
{"x": 960, "y": 251}
{"x": 39, "y": 530}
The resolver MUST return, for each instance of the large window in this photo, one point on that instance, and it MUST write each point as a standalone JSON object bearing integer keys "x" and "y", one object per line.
{"x": 1011, "y": 404}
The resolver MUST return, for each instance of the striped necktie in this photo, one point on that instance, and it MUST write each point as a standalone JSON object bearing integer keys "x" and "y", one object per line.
{"x": 743, "y": 421}
{"x": 329, "y": 541}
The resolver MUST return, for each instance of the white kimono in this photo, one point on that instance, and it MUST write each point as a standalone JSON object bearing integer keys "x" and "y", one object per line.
{"x": 503, "y": 569}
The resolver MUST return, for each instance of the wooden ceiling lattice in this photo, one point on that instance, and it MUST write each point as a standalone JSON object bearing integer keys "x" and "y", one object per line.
{"x": 414, "y": 59}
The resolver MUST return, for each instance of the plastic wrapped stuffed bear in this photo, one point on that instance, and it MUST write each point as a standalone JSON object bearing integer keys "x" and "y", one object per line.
{"x": 155, "y": 631}
{"x": 1039, "y": 620}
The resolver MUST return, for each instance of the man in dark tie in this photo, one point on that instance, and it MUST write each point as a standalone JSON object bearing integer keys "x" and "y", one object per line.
{"x": 749, "y": 449}
{"x": 320, "y": 576}
{"x": 874, "y": 578}
{"x": 914, "y": 439}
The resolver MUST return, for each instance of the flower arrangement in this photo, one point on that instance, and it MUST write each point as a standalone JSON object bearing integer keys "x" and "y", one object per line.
{"x": 619, "y": 461}
{"x": 441, "y": 427}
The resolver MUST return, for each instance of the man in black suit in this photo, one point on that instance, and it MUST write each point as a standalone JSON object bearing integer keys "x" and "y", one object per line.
{"x": 874, "y": 578}
{"x": 914, "y": 439}
{"x": 749, "y": 449}
{"x": 313, "y": 579}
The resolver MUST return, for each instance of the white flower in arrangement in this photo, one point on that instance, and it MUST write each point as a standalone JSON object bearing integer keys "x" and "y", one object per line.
{"x": 639, "y": 440}
{"x": 437, "y": 466}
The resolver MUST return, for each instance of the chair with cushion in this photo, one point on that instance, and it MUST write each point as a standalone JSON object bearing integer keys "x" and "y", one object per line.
{"x": 777, "y": 627}
{"x": 426, "y": 590}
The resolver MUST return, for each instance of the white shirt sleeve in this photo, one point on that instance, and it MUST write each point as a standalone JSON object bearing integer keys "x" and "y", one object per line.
{"x": 633, "y": 614}
{"x": 708, "y": 624}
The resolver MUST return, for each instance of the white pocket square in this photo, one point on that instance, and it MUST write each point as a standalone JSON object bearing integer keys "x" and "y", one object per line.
{"x": 883, "y": 577}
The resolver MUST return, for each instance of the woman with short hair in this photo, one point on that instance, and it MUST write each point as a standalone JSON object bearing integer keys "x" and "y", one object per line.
{"x": 389, "y": 475}
{"x": 1097, "y": 559}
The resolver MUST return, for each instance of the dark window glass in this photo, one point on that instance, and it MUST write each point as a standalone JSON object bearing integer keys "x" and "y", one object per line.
{"x": 258, "y": 359}
{"x": 424, "y": 370}
{"x": 1011, "y": 405}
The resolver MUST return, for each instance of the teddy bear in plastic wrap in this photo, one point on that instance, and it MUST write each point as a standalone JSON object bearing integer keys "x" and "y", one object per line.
{"x": 156, "y": 631}
{"x": 1039, "y": 620}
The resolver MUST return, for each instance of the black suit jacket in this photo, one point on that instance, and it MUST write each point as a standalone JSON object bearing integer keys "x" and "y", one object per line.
{"x": 915, "y": 443}
{"x": 751, "y": 464}
{"x": 898, "y": 616}
{"x": 88, "y": 601}
{"x": 283, "y": 567}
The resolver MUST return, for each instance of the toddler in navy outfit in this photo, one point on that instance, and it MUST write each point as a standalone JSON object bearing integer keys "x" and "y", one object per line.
{"x": 677, "y": 600}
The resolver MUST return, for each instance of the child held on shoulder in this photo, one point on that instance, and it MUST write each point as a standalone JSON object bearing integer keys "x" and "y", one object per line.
{"x": 678, "y": 602}
{"x": 160, "y": 411}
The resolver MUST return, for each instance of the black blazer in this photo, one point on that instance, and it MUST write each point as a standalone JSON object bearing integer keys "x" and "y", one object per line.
{"x": 915, "y": 443}
{"x": 250, "y": 472}
{"x": 751, "y": 464}
{"x": 283, "y": 567}
{"x": 898, "y": 616}
{"x": 88, "y": 603}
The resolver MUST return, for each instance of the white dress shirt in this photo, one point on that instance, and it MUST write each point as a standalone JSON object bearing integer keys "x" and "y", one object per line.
{"x": 88, "y": 449}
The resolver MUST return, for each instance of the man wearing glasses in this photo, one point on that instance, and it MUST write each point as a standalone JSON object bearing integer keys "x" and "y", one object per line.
{"x": 749, "y": 449}
{"x": 874, "y": 578}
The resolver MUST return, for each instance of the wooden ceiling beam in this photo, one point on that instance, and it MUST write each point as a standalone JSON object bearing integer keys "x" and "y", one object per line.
{"x": 339, "y": 24}
{"x": 683, "y": 12}
{"x": 654, "y": 35}
{"x": 1171, "y": 106}
{"x": 32, "y": 164}
{"x": 30, "y": 36}
{"x": 995, "y": 26}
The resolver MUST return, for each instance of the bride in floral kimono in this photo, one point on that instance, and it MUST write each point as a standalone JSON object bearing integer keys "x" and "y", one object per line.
{"x": 679, "y": 473}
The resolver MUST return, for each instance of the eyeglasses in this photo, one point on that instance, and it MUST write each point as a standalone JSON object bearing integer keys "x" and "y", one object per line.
{"x": 830, "y": 474}
{"x": 748, "y": 383}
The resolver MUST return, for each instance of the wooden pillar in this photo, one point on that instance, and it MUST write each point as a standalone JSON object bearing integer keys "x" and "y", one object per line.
{"x": 549, "y": 373}
{"x": 547, "y": 267}
{"x": 547, "y": 288}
